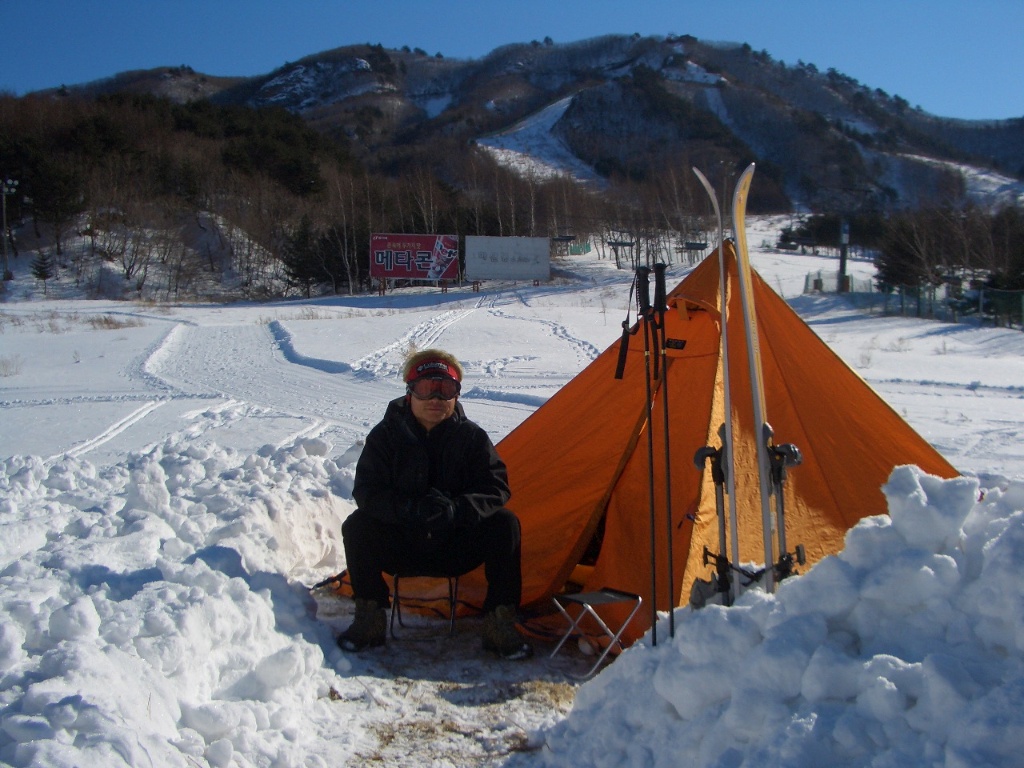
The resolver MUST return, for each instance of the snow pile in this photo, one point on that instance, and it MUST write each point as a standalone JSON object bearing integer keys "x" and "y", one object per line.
{"x": 152, "y": 613}
{"x": 904, "y": 649}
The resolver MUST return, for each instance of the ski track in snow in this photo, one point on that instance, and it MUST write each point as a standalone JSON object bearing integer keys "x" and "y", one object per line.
{"x": 115, "y": 429}
{"x": 255, "y": 364}
{"x": 972, "y": 389}
{"x": 387, "y": 360}
{"x": 283, "y": 339}
{"x": 83, "y": 400}
{"x": 152, "y": 358}
{"x": 585, "y": 352}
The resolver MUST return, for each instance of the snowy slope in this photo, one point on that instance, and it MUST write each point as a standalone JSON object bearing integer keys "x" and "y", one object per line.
{"x": 532, "y": 150}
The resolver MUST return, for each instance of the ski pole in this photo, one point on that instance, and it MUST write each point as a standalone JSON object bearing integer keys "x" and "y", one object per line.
{"x": 620, "y": 365}
{"x": 643, "y": 292}
{"x": 660, "y": 308}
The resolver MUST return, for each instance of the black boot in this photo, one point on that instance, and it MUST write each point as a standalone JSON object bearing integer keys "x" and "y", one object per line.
{"x": 501, "y": 637}
{"x": 369, "y": 629}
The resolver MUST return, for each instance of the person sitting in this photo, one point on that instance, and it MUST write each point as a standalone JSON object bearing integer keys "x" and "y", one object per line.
{"x": 430, "y": 491}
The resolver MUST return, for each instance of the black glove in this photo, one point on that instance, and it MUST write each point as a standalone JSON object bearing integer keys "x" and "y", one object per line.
{"x": 436, "y": 510}
{"x": 466, "y": 516}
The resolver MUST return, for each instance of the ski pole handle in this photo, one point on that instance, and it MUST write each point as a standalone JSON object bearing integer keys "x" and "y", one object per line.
{"x": 643, "y": 289}
{"x": 659, "y": 288}
{"x": 620, "y": 367}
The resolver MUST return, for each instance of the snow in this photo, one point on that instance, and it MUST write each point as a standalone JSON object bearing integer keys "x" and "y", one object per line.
{"x": 434, "y": 105}
{"x": 310, "y": 85}
{"x": 692, "y": 72}
{"x": 866, "y": 660}
{"x": 173, "y": 478}
{"x": 983, "y": 186}
{"x": 532, "y": 150}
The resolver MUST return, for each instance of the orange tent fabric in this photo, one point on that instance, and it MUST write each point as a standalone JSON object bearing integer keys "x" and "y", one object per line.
{"x": 579, "y": 467}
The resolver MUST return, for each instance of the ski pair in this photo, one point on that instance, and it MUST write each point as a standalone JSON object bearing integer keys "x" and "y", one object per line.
{"x": 772, "y": 460}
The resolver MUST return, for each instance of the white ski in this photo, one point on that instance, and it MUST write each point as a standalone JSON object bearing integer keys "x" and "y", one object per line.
{"x": 762, "y": 440}
{"x": 726, "y": 430}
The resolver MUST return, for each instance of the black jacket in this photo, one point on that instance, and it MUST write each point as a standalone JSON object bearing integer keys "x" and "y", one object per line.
{"x": 401, "y": 461}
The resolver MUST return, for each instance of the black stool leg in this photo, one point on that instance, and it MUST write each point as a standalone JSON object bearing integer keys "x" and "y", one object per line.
{"x": 396, "y": 606}
{"x": 396, "y": 603}
{"x": 453, "y": 602}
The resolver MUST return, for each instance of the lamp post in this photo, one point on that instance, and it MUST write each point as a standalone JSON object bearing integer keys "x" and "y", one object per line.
{"x": 10, "y": 186}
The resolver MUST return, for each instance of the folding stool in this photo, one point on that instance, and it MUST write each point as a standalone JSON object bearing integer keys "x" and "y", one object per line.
{"x": 396, "y": 598}
{"x": 587, "y": 601}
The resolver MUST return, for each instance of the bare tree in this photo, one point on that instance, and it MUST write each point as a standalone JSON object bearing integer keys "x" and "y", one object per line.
{"x": 341, "y": 231}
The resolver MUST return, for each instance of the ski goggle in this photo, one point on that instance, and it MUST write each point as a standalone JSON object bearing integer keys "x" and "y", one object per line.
{"x": 439, "y": 388}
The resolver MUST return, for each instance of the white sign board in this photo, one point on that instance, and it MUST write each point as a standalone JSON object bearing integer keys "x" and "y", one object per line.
{"x": 508, "y": 258}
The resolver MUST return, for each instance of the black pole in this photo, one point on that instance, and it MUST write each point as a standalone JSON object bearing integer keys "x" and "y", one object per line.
{"x": 844, "y": 242}
{"x": 660, "y": 308}
{"x": 643, "y": 292}
{"x": 620, "y": 366}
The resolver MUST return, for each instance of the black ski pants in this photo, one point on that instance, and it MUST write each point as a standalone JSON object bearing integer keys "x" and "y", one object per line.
{"x": 373, "y": 547}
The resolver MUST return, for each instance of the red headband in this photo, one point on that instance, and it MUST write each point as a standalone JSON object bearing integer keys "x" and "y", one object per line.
{"x": 433, "y": 367}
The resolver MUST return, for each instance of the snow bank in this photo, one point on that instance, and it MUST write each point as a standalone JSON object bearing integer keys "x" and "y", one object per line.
{"x": 153, "y": 613}
{"x": 904, "y": 649}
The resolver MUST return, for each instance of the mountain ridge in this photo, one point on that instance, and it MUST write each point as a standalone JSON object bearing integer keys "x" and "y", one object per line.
{"x": 635, "y": 105}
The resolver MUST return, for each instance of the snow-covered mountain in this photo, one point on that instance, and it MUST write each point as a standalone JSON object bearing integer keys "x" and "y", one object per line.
{"x": 626, "y": 105}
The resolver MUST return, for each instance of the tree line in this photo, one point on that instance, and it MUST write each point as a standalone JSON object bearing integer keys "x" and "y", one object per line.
{"x": 258, "y": 195}
{"x": 956, "y": 244}
{"x": 258, "y": 200}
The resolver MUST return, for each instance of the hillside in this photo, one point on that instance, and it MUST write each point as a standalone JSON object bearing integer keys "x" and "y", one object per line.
{"x": 822, "y": 139}
{"x": 180, "y": 185}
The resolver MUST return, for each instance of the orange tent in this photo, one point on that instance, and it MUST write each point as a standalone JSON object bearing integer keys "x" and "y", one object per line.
{"x": 579, "y": 467}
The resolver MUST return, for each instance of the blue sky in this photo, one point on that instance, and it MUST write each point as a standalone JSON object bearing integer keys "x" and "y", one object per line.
{"x": 954, "y": 58}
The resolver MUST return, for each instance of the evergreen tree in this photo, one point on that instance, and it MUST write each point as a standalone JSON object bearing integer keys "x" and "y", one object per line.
{"x": 42, "y": 267}
{"x": 57, "y": 196}
{"x": 901, "y": 260}
{"x": 302, "y": 263}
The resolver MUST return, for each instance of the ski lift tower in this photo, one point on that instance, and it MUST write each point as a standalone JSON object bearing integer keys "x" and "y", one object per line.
{"x": 844, "y": 244}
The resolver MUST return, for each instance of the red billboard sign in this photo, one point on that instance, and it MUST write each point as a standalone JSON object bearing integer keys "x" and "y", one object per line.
{"x": 414, "y": 257}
